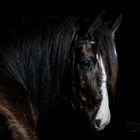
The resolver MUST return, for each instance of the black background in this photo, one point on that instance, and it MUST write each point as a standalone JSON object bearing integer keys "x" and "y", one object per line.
{"x": 127, "y": 107}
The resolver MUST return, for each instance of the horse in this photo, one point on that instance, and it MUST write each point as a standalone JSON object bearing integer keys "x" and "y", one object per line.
{"x": 68, "y": 58}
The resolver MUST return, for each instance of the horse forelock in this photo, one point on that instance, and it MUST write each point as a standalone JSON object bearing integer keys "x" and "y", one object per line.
{"x": 107, "y": 49}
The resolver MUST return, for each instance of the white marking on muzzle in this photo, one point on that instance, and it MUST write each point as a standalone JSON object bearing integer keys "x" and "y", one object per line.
{"x": 103, "y": 113}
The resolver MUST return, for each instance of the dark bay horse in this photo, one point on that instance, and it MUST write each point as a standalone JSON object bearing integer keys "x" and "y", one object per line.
{"x": 70, "y": 58}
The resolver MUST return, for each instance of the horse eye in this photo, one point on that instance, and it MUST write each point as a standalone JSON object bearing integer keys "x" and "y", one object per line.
{"x": 85, "y": 63}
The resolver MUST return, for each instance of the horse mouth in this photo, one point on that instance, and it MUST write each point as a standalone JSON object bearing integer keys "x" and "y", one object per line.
{"x": 100, "y": 127}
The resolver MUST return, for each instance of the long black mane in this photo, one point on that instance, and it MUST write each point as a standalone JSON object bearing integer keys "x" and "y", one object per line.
{"x": 38, "y": 56}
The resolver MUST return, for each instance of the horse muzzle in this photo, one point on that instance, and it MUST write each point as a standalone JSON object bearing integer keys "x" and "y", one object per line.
{"x": 102, "y": 120}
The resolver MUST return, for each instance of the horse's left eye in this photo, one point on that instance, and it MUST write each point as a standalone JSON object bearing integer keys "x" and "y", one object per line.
{"x": 85, "y": 63}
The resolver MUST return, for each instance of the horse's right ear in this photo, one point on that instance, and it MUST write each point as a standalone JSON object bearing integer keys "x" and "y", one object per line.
{"x": 116, "y": 24}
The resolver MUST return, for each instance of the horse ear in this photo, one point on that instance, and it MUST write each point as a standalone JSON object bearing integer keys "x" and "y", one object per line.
{"x": 116, "y": 24}
{"x": 95, "y": 23}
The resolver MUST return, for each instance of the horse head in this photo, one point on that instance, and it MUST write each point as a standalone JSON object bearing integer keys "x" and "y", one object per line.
{"x": 96, "y": 70}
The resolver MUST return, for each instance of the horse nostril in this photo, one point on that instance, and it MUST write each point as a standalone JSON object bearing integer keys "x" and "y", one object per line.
{"x": 98, "y": 122}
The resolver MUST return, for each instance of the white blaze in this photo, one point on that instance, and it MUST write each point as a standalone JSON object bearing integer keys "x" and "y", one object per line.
{"x": 103, "y": 113}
